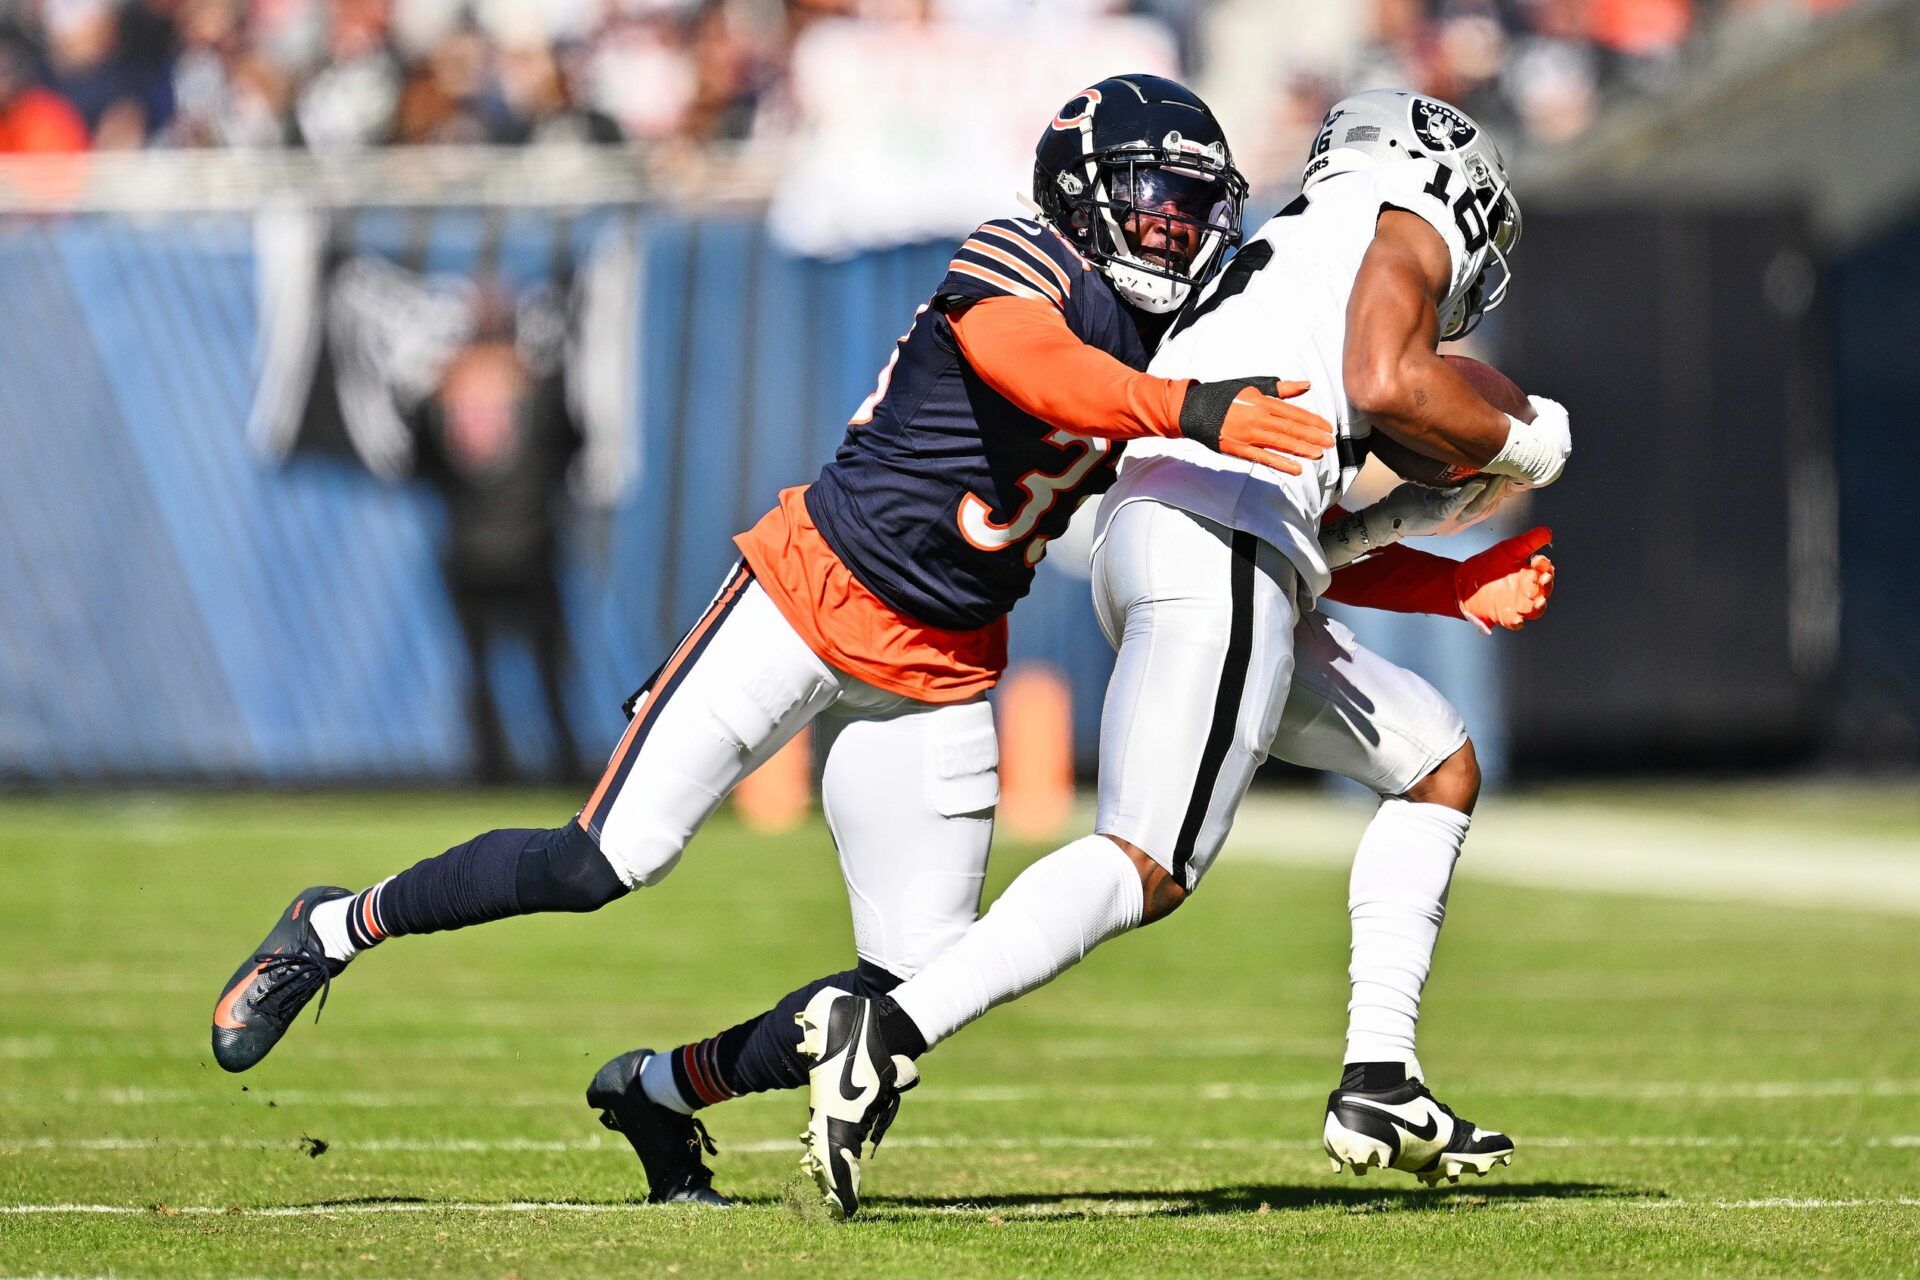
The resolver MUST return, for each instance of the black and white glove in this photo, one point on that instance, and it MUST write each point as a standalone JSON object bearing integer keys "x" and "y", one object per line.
{"x": 1413, "y": 511}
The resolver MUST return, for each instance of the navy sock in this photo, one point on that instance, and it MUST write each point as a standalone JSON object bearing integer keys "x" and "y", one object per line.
{"x": 495, "y": 875}
{"x": 763, "y": 1053}
{"x": 898, "y": 1029}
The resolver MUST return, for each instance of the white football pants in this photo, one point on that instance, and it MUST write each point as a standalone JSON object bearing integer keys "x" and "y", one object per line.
{"x": 909, "y": 787}
{"x": 1216, "y": 669}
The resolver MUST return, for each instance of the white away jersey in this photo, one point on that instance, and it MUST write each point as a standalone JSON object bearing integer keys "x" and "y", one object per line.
{"x": 1279, "y": 309}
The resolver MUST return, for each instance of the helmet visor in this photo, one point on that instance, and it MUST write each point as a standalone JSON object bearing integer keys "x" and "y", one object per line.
{"x": 1166, "y": 213}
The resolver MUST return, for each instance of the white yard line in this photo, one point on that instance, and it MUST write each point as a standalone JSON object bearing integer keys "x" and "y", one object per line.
{"x": 47, "y": 1048}
{"x": 350, "y": 1099}
{"x": 35, "y": 1048}
{"x": 1092, "y": 1207}
{"x": 1213, "y": 1091}
{"x": 1621, "y": 1091}
{"x": 1049, "y": 1142}
{"x": 1588, "y": 845}
{"x": 1076, "y": 1208}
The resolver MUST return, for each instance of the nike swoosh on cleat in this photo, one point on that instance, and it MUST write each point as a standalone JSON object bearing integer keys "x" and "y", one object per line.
{"x": 847, "y": 1092}
{"x": 223, "y": 1012}
{"x": 1424, "y": 1132}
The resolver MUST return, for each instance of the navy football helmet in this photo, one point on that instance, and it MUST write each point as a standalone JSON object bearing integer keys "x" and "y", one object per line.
{"x": 1136, "y": 172}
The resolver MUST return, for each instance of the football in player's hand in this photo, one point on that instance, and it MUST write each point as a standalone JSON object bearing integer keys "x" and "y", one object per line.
{"x": 1494, "y": 387}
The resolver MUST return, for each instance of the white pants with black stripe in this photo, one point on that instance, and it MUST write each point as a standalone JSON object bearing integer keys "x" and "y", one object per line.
{"x": 909, "y": 787}
{"x": 1217, "y": 668}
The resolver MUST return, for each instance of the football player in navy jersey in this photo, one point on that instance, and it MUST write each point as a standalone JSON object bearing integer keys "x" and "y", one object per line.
{"x": 872, "y": 601}
{"x": 875, "y": 600}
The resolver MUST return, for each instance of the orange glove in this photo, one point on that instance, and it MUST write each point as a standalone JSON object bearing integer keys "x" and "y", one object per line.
{"x": 1506, "y": 585}
{"x": 1250, "y": 419}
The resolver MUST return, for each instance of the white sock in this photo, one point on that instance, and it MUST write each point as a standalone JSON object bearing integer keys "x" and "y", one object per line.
{"x": 329, "y": 921}
{"x": 1054, "y": 912}
{"x": 1396, "y": 900}
{"x": 657, "y": 1082}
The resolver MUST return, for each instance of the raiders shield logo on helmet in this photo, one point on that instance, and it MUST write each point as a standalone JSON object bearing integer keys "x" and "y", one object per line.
{"x": 1441, "y": 126}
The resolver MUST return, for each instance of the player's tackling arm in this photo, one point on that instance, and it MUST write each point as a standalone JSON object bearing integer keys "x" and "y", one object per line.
{"x": 1023, "y": 349}
{"x": 1397, "y": 379}
{"x": 1507, "y": 585}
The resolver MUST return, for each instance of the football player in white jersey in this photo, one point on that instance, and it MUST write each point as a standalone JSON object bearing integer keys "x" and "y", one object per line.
{"x": 1205, "y": 573}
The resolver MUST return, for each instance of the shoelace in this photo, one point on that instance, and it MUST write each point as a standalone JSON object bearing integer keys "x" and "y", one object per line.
{"x": 1443, "y": 1107}
{"x": 885, "y": 1110}
{"x": 298, "y": 985}
{"x": 703, "y": 1140}
{"x": 684, "y": 1178}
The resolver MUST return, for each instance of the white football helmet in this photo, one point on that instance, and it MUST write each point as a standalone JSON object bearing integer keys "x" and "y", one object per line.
{"x": 1384, "y": 125}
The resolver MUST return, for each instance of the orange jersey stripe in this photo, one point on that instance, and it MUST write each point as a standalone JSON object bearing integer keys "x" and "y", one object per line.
{"x": 1046, "y": 286}
{"x": 1066, "y": 284}
{"x": 999, "y": 279}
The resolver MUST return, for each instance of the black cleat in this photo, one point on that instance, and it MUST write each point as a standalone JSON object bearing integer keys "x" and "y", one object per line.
{"x": 268, "y": 990}
{"x": 668, "y": 1143}
{"x": 1407, "y": 1128}
{"x": 853, "y": 1092}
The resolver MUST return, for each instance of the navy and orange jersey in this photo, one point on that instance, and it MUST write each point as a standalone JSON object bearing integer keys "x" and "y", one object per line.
{"x": 944, "y": 493}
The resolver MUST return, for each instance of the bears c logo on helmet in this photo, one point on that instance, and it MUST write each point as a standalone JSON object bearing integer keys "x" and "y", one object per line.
{"x": 1078, "y": 113}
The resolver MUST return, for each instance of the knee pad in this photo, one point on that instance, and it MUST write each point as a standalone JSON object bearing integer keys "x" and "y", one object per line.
{"x": 564, "y": 870}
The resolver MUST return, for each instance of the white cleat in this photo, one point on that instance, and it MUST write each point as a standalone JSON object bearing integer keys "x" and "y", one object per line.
{"x": 1407, "y": 1128}
{"x": 853, "y": 1093}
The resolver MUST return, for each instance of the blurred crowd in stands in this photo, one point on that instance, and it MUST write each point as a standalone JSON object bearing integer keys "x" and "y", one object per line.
{"x": 332, "y": 74}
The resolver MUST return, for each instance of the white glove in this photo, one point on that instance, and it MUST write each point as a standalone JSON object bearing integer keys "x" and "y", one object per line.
{"x": 1412, "y": 511}
{"x": 1535, "y": 452}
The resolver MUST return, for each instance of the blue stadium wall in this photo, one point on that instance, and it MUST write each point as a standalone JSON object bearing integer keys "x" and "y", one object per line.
{"x": 174, "y": 609}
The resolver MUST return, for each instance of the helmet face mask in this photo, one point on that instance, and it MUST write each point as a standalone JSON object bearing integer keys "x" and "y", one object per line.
{"x": 1384, "y": 125}
{"x": 1136, "y": 173}
{"x": 1501, "y": 210}
{"x": 1160, "y": 224}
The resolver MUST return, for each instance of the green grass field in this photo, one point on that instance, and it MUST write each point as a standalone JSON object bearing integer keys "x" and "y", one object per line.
{"x": 1697, "y": 1087}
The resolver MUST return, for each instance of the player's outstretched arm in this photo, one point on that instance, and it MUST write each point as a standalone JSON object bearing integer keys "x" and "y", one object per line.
{"x": 1024, "y": 350}
{"x": 1410, "y": 511}
{"x": 1507, "y": 585}
{"x": 1395, "y": 377}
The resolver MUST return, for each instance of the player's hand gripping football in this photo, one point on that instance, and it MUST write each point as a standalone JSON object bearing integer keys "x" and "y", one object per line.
{"x": 1506, "y": 585}
{"x": 1537, "y": 448}
{"x": 1249, "y": 418}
